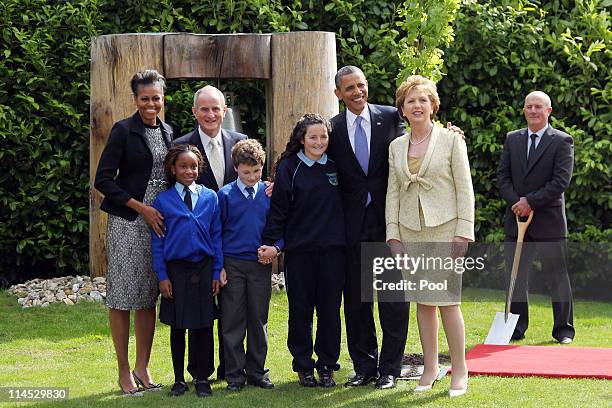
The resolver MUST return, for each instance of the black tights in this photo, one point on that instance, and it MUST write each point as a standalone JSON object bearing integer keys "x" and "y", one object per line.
{"x": 177, "y": 347}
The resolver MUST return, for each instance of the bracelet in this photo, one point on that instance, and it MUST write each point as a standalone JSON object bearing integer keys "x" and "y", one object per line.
{"x": 278, "y": 250}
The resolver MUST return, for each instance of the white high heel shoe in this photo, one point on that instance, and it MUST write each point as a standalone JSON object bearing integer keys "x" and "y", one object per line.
{"x": 457, "y": 392}
{"x": 422, "y": 388}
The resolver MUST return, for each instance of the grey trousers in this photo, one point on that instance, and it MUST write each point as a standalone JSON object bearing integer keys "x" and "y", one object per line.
{"x": 244, "y": 309}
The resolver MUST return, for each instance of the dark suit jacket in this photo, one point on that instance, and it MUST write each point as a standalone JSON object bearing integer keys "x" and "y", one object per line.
{"x": 125, "y": 166}
{"x": 354, "y": 184}
{"x": 207, "y": 177}
{"x": 543, "y": 182}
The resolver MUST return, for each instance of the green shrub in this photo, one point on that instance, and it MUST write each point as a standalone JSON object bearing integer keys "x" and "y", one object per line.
{"x": 502, "y": 49}
{"x": 44, "y": 128}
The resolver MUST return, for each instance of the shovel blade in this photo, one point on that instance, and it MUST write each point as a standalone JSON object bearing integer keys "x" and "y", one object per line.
{"x": 501, "y": 331}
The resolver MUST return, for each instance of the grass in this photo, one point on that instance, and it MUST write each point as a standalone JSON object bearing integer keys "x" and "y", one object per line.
{"x": 70, "y": 346}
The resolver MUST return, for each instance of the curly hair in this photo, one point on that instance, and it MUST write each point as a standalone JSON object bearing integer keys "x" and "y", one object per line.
{"x": 147, "y": 77}
{"x": 172, "y": 156}
{"x": 294, "y": 144}
{"x": 249, "y": 152}
{"x": 422, "y": 84}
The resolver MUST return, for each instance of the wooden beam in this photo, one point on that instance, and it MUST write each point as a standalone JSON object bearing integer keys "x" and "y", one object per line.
{"x": 199, "y": 56}
{"x": 114, "y": 59}
{"x": 303, "y": 70}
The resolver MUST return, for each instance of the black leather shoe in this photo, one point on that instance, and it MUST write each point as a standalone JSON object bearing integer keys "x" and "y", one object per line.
{"x": 385, "y": 382}
{"x": 326, "y": 378}
{"x": 360, "y": 379}
{"x": 234, "y": 386}
{"x": 565, "y": 340}
{"x": 264, "y": 383}
{"x": 307, "y": 379}
{"x": 202, "y": 389}
{"x": 178, "y": 389}
{"x": 517, "y": 336}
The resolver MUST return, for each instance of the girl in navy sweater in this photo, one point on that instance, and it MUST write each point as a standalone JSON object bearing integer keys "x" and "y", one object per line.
{"x": 306, "y": 210}
{"x": 187, "y": 260}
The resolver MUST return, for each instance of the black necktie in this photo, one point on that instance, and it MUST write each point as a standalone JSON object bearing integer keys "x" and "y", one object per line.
{"x": 532, "y": 147}
{"x": 251, "y": 191}
{"x": 188, "y": 199}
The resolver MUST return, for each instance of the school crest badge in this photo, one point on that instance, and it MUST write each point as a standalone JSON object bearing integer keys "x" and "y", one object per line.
{"x": 333, "y": 178}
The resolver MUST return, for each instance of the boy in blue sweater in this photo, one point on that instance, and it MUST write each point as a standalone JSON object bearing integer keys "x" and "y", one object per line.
{"x": 245, "y": 299}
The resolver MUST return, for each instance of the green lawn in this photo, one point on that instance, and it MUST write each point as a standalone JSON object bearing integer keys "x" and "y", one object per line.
{"x": 70, "y": 346}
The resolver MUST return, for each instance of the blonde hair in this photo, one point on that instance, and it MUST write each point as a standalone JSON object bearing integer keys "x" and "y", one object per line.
{"x": 422, "y": 84}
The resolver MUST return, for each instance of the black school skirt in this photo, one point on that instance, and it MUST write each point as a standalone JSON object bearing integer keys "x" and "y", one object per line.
{"x": 192, "y": 304}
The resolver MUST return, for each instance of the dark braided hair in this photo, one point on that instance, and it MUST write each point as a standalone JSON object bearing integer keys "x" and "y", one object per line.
{"x": 294, "y": 144}
{"x": 170, "y": 160}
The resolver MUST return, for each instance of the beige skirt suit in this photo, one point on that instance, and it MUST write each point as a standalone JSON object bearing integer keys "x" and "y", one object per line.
{"x": 430, "y": 200}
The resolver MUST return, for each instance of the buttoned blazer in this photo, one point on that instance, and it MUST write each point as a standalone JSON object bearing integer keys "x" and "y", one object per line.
{"x": 442, "y": 186}
{"x": 206, "y": 177}
{"x": 386, "y": 125}
{"x": 543, "y": 181}
{"x": 125, "y": 165}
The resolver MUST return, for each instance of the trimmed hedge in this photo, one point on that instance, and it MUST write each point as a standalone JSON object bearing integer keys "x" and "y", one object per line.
{"x": 502, "y": 50}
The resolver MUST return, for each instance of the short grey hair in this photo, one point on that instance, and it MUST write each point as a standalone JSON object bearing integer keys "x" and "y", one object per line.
{"x": 208, "y": 88}
{"x": 542, "y": 95}
{"x": 346, "y": 70}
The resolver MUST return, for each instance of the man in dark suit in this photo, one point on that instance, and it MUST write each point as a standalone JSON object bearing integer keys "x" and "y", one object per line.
{"x": 215, "y": 144}
{"x": 359, "y": 144}
{"x": 535, "y": 169}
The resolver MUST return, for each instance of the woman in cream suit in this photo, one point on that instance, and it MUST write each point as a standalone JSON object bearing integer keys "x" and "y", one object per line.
{"x": 430, "y": 199}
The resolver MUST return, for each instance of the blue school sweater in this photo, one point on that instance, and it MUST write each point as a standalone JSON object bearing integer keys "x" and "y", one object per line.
{"x": 242, "y": 220}
{"x": 306, "y": 206}
{"x": 190, "y": 235}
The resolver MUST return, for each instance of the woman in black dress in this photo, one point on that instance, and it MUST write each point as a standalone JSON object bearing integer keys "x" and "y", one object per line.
{"x": 130, "y": 175}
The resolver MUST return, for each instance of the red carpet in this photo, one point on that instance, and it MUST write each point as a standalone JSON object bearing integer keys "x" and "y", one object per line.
{"x": 542, "y": 361}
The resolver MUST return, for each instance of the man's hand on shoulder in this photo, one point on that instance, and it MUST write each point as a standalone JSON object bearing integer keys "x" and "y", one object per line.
{"x": 455, "y": 129}
{"x": 269, "y": 187}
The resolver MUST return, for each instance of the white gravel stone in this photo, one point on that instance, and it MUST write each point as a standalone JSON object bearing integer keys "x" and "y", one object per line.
{"x": 67, "y": 289}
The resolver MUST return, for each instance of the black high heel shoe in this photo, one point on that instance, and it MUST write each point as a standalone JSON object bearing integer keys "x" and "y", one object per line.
{"x": 151, "y": 387}
{"x": 134, "y": 392}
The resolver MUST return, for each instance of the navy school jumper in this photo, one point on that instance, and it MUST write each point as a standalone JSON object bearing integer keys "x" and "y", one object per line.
{"x": 306, "y": 209}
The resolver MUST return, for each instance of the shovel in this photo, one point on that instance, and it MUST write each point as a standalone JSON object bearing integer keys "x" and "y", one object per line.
{"x": 504, "y": 323}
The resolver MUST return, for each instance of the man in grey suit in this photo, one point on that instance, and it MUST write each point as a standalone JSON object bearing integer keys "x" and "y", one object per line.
{"x": 215, "y": 144}
{"x": 534, "y": 172}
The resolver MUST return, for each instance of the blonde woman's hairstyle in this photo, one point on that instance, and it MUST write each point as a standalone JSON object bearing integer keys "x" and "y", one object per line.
{"x": 421, "y": 83}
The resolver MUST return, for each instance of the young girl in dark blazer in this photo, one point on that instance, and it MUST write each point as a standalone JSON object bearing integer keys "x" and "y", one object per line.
{"x": 188, "y": 261}
{"x": 306, "y": 210}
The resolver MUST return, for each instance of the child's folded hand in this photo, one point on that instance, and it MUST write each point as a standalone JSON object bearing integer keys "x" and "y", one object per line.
{"x": 165, "y": 288}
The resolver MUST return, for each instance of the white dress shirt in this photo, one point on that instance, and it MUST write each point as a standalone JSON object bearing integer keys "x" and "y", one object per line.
{"x": 539, "y": 133}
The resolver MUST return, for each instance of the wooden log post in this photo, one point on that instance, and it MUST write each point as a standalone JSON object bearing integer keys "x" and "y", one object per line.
{"x": 114, "y": 59}
{"x": 232, "y": 56}
{"x": 303, "y": 70}
{"x": 298, "y": 67}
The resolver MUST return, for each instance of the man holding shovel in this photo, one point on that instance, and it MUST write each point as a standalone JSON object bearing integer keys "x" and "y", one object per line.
{"x": 535, "y": 170}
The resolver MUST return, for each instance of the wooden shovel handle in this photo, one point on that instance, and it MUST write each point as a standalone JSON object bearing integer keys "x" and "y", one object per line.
{"x": 522, "y": 226}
